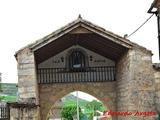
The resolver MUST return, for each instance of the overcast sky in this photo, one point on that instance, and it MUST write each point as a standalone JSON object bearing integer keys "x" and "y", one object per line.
{"x": 24, "y": 21}
{"x": 87, "y": 97}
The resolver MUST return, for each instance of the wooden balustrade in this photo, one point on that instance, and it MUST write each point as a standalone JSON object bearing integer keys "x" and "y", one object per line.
{"x": 64, "y": 75}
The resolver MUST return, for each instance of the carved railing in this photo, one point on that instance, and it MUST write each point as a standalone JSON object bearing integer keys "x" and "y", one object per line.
{"x": 64, "y": 75}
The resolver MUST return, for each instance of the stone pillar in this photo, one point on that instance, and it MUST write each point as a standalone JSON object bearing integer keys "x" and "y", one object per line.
{"x": 123, "y": 78}
{"x": 157, "y": 86}
{"x": 27, "y": 80}
{"x": 135, "y": 90}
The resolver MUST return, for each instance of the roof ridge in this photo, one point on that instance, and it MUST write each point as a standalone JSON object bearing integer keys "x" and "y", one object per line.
{"x": 79, "y": 20}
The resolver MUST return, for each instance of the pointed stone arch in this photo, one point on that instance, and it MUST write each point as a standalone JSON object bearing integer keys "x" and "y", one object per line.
{"x": 49, "y": 94}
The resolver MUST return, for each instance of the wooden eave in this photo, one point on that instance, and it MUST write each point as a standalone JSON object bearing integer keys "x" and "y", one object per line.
{"x": 66, "y": 29}
{"x": 87, "y": 25}
{"x": 90, "y": 41}
{"x": 98, "y": 40}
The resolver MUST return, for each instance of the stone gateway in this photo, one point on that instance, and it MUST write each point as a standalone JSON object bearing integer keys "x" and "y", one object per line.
{"x": 82, "y": 56}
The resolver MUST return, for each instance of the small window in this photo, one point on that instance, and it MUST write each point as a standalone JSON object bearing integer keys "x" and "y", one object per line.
{"x": 77, "y": 61}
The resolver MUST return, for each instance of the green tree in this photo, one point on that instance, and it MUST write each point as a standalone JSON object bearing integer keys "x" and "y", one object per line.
{"x": 94, "y": 105}
{"x": 69, "y": 111}
{"x": 90, "y": 116}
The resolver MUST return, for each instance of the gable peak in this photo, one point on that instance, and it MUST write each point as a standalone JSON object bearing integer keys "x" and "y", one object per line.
{"x": 79, "y": 16}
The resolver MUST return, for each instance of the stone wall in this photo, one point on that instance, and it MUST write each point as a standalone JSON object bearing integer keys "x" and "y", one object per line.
{"x": 122, "y": 79}
{"x": 27, "y": 78}
{"x": 135, "y": 90}
{"x": 157, "y": 87}
{"x": 50, "y": 93}
{"x": 26, "y": 75}
{"x": 21, "y": 113}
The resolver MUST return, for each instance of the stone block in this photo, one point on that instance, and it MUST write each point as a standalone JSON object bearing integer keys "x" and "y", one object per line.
{"x": 21, "y": 90}
{"x": 30, "y": 89}
{"x": 26, "y": 66}
{"x": 28, "y": 78}
{"x": 27, "y": 95}
{"x": 26, "y": 83}
{"x": 157, "y": 75}
{"x": 157, "y": 80}
{"x": 26, "y": 57}
{"x": 30, "y": 71}
{"x": 146, "y": 58}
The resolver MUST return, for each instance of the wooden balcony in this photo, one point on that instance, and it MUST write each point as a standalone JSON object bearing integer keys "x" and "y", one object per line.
{"x": 64, "y": 75}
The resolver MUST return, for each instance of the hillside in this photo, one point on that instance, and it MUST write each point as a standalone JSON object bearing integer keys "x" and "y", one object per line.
{"x": 71, "y": 97}
{"x": 9, "y": 89}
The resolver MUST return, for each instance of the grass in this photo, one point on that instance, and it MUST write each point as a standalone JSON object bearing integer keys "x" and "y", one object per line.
{"x": 8, "y": 98}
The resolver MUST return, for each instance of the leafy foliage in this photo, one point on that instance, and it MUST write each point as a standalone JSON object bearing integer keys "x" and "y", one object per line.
{"x": 90, "y": 116}
{"x": 69, "y": 111}
{"x": 94, "y": 105}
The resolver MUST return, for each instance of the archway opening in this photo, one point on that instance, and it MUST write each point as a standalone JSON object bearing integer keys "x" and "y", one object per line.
{"x": 90, "y": 108}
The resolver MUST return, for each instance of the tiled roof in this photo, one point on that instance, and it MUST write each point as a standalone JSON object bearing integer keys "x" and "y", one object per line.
{"x": 78, "y": 22}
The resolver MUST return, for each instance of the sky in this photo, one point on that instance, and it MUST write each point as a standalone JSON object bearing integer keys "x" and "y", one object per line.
{"x": 85, "y": 96}
{"x": 25, "y": 21}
